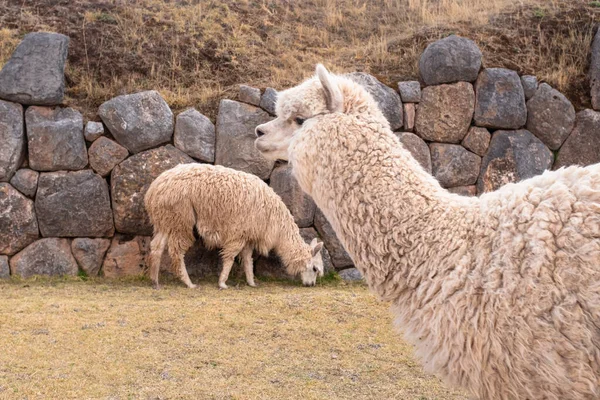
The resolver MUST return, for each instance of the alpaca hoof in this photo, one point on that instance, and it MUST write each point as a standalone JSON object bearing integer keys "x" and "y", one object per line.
{"x": 223, "y": 286}
{"x": 252, "y": 284}
{"x": 192, "y": 286}
{"x": 156, "y": 286}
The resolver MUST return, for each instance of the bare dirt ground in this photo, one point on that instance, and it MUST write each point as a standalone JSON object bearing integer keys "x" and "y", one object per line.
{"x": 98, "y": 339}
{"x": 196, "y": 52}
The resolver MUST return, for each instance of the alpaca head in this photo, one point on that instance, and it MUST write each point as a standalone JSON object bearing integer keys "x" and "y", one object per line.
{"x": 312, "y": 267}
{"x": 318, "y": 95}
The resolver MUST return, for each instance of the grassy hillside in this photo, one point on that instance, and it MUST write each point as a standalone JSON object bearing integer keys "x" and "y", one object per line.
{"x": 196, "y": 52}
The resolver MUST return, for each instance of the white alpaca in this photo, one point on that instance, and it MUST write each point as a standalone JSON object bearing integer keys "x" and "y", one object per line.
{"x": 231, "y": 210}
{"x": 500, "y": 294}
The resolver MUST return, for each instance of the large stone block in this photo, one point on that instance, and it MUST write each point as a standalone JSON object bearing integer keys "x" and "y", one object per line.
{"x": 511, "y": 157}
{"x": 105, "y": 154}
{"x": 445, "y": 112}
{"x": 410, "y": 91}
{"x": 235, "y": 138}
{"x": 26, "y": 181}
{"x": 417, "y": 147}
{"x": 387, "y": 98}
{"x": 299, "y": 203}
{"x": 55, "y": 139}
{"x": 73, "y": 204}
{"x": 89, "y": 253}
{"x": 582, "y": 147}
{"x": 477, "y": 140}
{"x": 138, "y": 121}
{"x": 126, "y": 256}
{"x": 18, "y": 222}
{"x": 35, "y": 72}
{"x": 4, "y": 267}
{"x": 195, "y": 135}
{"x": 268, "y": 100}
{"x": 449, "y": 60}
{"x": 51, "y": 256}
{"x": 500, "y": 100}
{"x": 130, "y": 181}
{"x": 453, "y": 165}
{"x": 250, "y": 95}
{"x": 12, "y": 139}
{"x": 550, "y": 116}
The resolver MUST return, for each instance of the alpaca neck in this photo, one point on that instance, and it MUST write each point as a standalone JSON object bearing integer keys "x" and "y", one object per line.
{"x": 382, "y": 205}
{"x": 292, "y": 250}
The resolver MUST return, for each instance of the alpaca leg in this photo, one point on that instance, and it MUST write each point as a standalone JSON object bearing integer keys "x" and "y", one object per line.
{"x": 228, "y": 253}
{"x": 177, "y": 249}
{"x": 157, "y": 248}
{"x": 248, "y": 265}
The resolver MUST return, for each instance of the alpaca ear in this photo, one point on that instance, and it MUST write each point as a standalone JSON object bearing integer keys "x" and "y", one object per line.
{"x": 316, "y": 247}
{"x": 333, "y": 95}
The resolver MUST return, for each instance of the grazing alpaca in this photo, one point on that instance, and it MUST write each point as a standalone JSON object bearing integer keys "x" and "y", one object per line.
{"x": 231, "y": 210}
{"x": 500, "y": 294}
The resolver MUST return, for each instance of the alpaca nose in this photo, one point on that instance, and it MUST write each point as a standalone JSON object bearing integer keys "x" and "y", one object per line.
{"x": 259, "y": 133}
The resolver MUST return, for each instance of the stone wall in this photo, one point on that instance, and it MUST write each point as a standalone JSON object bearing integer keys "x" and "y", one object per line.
{"x": 71, "y": 193}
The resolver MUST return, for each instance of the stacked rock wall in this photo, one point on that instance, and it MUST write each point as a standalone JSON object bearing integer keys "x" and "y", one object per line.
{"x": 71, "y": 194}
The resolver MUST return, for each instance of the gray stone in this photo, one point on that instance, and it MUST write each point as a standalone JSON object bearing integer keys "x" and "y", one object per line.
{"x": 12, "y": 139}
{"x": 339, "y": 256}
{"x": 450, "y": 60}
{"x": 550, "y": 116}
{"x": 268, "y": 100}
{"x": 417, "y": 147}
{"x": 35, "y": 72}
{"x": 250, "y": 95}
{"x": 195, "y": 135}
{"x": 350, "y": 275}
{"x": 130, "y": 181}
{"x": 453, "y": 165}
{"x": 126, "y": 256}
{"x": 387, "y": 98}
{"x": 18, "y": 222}
{"x": 582, "y": 147}
{"x": 409, "y": 116}
{"x": 235, "y": 138}
{"x": 105, "y": 154}
{"x": 530, "y": 85}
{"x": 299, "y": 203}
{"x": 55, "y": 139}
{"x": 93, "y": 130}
{"x": 89, "y": 253}
{"x": 73, "y": 204}
{"x": 445, "y": 112}
{"x": 595, "y": 72}
{"x": 138, "y": 121}
{"x": 26, "y": 181}
{"x": 500, "y": 99}
{"x": 4, "y": 267}
{"x": 51, "y": 256}
{"x": 477, "y": 140}
{"x": 511, "y": 157}
{"x": 410, "y": 91}
{"x": 464, "y": 190}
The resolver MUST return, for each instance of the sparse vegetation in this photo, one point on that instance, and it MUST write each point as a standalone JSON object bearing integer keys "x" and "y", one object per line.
{"x": 70, "y": 339}
{"x": 196, "y": 52}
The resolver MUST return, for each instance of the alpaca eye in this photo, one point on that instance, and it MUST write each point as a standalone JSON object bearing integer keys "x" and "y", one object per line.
{"x": 315, "y": 269}
{"x": 299, "y": 121}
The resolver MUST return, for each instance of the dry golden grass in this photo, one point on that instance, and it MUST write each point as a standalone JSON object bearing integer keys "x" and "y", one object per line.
{"x": 198, "y": 51}
{"x": 69, "y": 339}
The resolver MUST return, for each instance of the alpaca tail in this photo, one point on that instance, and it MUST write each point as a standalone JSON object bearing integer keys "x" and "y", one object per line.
{"x": 157, "y": 248}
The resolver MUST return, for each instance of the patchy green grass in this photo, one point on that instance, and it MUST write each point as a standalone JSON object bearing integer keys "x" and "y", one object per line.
{"x": 98, "y": 339}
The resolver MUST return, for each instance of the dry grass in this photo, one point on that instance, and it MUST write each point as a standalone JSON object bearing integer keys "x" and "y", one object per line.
{"x": 71, "y": 339}
{"x": 196, "y": 52}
